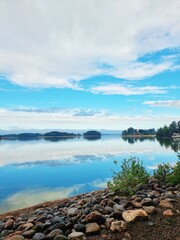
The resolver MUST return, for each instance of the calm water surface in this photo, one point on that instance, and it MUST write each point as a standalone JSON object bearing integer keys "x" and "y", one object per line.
{"x": 32, "y": 172}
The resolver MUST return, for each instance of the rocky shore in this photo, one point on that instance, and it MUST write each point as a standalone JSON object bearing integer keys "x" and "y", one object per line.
{"x": 100, "y": 215}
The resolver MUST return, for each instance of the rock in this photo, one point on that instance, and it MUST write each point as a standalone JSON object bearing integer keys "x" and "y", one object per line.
{"x": 92, "y": 228}
{"x": 39, "y": 236}
{"x": 167, "y": 195}
{"x": 165, "y": 204}
{"x": 116, "y": 215}
{"x": 154, "y": 194}
{"x": 131, "y": 215}
{"x": 77, "y": 236}
{"x": 118, "y": 208}
{"x": 150, "y": 209}
{"x": 109, "y": 209}
{"x": 72, "y": 211}
{"x": 136, "y": 204}
{"x": 96, "y": 217}
{"x": 99, "y": 208}
{"x": 9, "y": 223}
{"x": 150, "y": 224}
{"x": 60, "y": 237}
{"x": 4, "y": 233}
{"x": 1, "y": 225}
{"x": 16, "y": 237}
{"x": 108, "y": 222}
{"x": 28, "y": 234}
{"x": 54, "y": 233}
{"x": 160, "y": 190}
{"x": 118, "y": 226}
{"x": 156, "y": 201}
{"x": 147, "y": 202}
{"x": 79, "y": 227}
{"x": 168, "y": 213}
{"x": 25, "y": 226}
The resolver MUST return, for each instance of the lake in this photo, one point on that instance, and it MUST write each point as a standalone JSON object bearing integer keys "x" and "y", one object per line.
{"x": 35, "y": 171}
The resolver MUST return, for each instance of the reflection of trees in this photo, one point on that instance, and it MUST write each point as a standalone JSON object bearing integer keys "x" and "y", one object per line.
{"x": 57, "y": 139}
{"x": 133, "y": 140}
{"x": 92, "y": 138}
{"x": 169, "y": 143}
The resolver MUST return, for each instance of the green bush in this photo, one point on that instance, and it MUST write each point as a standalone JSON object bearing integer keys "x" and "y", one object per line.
{"x": 174, "y": 177}
{"x": 131, "y": 176}
{"x": 163, "y": 172}
{"x": 166, "y": 173}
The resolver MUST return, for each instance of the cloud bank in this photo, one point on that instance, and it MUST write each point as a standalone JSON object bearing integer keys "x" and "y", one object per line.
{"x": 59, "y": 43}
{"x": 167, "y": 103}
{"x": 78, "y": 119}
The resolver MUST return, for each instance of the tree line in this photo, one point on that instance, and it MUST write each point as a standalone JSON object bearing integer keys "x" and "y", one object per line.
{"x": 169, "y": 131}
{"x": 133, "y": 131}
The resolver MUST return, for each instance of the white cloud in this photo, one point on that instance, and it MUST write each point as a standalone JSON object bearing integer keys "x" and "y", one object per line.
{"x": 128, "y": 90}
{"x": 70, "y": 119}
{"x": 58, "y": 43}
{"x": 167, "y": 103}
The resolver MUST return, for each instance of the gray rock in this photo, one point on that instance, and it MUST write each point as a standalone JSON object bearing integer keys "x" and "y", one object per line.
{"x": 72, "y": 211}
{"x": 118, "y": 208}
{"x": 54, "y": 233}
{"x": 40, "y": 236}
{"x": 60, "y": 237}
{"x": 79, "y": 227}
{"x": 109, "y": 209}
{"x": 167, "y": 195}
{"x": 28, "y": 234}
{"x": 99, "y": 208}
{"x": 76, "y": 236}
{"x": 147, "y": 202}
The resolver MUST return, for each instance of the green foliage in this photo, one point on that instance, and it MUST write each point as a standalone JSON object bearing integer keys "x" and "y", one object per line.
{"x": 133, "y": 131}
{"x": 168, "y": 131}
{"x": 174, "y": 177}
{"x": 167, "y": 173}
{"x": 162, "y": 172}
{"x": 131, "y": 176}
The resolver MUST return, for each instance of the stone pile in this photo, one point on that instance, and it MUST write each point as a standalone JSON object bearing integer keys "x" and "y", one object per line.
{"x": 92, "y": 213}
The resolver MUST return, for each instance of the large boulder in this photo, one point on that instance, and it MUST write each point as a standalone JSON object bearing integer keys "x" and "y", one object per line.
{"x": 132, "y": 215}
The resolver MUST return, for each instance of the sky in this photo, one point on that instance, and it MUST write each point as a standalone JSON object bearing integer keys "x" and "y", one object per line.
{"x": 76, "y": 64}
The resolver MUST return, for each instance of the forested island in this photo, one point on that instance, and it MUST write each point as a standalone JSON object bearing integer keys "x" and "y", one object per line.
{"x": 31, "y": 136}
{"x": 139, "y": 132}
{"x": 92, "y": 135}
{"x": 53, "y": 135}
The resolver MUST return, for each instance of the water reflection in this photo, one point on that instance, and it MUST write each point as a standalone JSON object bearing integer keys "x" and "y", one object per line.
{"x": 36, "y": 171}
{"x": 92, "y": 138}
{"x": 173, "y": 144}
{"x": 133, "y": 140}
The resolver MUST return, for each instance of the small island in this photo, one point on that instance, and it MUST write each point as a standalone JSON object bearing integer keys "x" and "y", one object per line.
{"x": 92, "y": 135}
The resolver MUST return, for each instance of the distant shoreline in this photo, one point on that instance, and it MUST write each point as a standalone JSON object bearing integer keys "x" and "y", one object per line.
{"x": 138, "y": 136}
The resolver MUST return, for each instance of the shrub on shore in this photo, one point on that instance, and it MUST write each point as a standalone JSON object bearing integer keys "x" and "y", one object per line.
{"x": 131, "y": 176}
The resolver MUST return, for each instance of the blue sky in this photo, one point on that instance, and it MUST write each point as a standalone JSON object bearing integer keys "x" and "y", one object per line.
{"x": 104, "y": 64}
